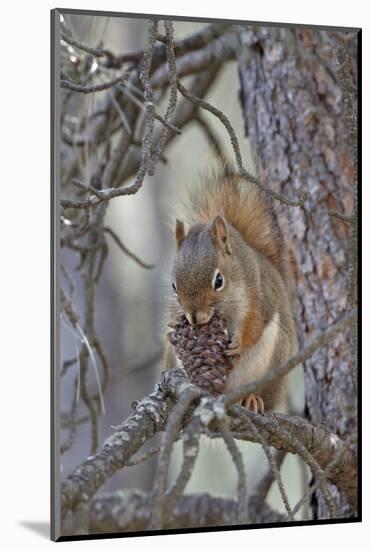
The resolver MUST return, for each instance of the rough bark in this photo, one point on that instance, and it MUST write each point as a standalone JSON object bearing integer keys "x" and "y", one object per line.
{"x": 128, "y": 511}
{"x": 149, "y": 417}
{"x": 294, "y": 114}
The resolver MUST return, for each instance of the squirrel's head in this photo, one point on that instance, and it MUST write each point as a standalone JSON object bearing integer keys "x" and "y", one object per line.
{"x": 202, "y": 268}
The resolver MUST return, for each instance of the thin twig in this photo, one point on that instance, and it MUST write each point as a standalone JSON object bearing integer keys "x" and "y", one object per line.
{"x": 73, "y": 425}
{"x": 264, "y": 485}
{"x": 103, "y": 248}
{"x": 97, "y": 52}
{"x": 236, "y": 147}
{"x": 316, "y": 483}
{"x": 191, "y": 444}
{"x": 67, "y": 364}
{"x": 157, "y": 116}
{"x": 149, "y": 106}
{"x": 158, "y": 495}
{"x": 111, "y": 167}
{"x": 196, "y": 41}
{"x": 307, "y": 457}
{"x": 242, "y": 513}
{"x": 109, "y": 193}
{"x": 219, "y": 50}
{"x": 70, "y": 281}
{"x": 84, "y": 227}
{"x": 211, "y": 137}
{"x": 173, "y": 96}
{"x": 125, "y": 250}
{"x": 274, "y": 468}
{"x": 69, "y": 84}
{"x": 86, "y": 187}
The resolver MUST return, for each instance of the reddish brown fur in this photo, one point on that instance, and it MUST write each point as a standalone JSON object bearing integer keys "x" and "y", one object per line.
{"x": 253, "y": 325}
{"x": 244, "y": 207}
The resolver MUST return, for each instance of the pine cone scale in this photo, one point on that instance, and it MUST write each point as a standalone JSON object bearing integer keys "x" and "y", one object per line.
{"x": 201, "y": 350}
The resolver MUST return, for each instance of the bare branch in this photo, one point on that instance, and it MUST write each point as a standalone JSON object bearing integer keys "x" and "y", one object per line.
{"x": 315, "y": 444}
{"x": 126, "y": 251}
{"x": 97, "y": 52}
{"x": 174, "y": 423}
{"x": 309, "y": 458}
{"x": 264, "y": 485}
{"x": 72, "y": 428}
{"x": 69, "y": 84}
{"x": 242, "y": 512}
{"x": 211, "y": 136}
{"x": 193, "y": 62}
{"x": 195, "y": 41}
{"x": 185, "y": 114}
{"x": 149, "y": 418}
{"x": 274, "y": 467}
{"x": 191, "y": 443}
{"x": 318, "y": 441}
{"x": 173, "y": 96}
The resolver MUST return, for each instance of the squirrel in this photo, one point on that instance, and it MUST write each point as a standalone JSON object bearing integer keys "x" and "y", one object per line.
{"x": 234, "y": 259}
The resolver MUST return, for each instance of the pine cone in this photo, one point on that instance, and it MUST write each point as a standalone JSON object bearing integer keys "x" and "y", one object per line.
{"x": 201, "y": 351}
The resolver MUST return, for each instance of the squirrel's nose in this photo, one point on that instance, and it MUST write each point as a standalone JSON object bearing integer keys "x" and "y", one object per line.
{"x": 192, "y": 318}
{"x": 197, "y": 317}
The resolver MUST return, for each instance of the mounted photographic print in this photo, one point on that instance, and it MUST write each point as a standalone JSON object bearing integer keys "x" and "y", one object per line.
{"x": 205, "y": 371}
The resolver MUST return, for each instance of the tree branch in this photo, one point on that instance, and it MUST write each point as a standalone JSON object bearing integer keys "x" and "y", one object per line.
{"x": 151, "y": 416}
{"x": 182, "y": 46}
{"x": 69, "y": 84}
{"x": 128, "y": 510}
{"x": 319, "y": 441}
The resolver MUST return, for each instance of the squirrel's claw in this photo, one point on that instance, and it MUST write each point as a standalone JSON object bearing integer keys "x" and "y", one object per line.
{"x": 233, "y": 349}
{"x": 233, "y": 352}
{"x": 254, "y": 403}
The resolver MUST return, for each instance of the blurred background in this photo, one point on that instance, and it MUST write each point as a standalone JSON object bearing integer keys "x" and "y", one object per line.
{"x": 132, "y": 302}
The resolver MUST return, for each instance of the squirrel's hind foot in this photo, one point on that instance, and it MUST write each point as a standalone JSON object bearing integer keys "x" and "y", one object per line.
{"x": 254, "y": 403}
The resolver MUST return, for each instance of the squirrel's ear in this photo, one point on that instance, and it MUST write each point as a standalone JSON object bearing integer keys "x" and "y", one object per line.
{"x": 179, "y": 233}
{"x": 220, "y": 236}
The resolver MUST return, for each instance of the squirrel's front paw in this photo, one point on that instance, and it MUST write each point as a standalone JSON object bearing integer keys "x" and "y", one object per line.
{"x": 234, "y": 348}
{"x": 254, "y": 403}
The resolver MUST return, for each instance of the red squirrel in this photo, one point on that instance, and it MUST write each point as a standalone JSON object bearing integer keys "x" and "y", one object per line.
{"x": 233, "y": 259}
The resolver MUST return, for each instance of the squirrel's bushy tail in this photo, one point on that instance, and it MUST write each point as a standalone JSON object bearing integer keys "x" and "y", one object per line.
{"x": 243, "y": 206}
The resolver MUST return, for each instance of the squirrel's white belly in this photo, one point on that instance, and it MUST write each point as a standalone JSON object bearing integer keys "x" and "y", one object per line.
{"x": 257, "y": 360}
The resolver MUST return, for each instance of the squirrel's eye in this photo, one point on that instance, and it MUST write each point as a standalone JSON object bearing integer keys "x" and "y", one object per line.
{"x": 219, "y": 281}
{"x": 174, "y": 288}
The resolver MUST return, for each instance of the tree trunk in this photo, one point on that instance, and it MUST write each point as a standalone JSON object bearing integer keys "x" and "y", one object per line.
{"x": 294, "y": 115}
